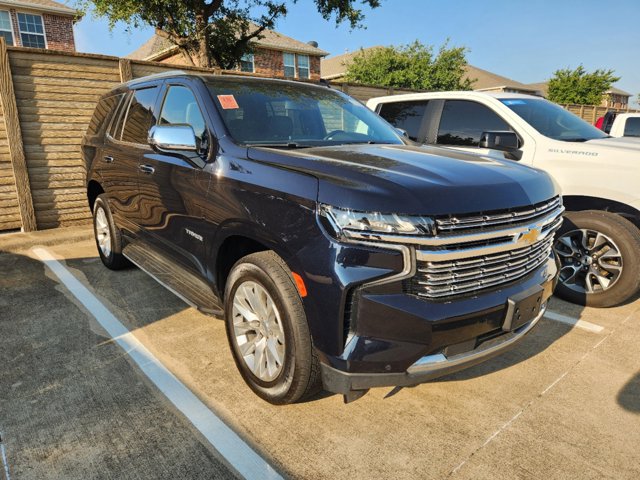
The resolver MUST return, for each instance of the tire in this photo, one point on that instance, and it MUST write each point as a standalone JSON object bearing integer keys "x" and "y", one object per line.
{"x": 263, "y": 277}
{"x": 108, "y": 236}
{"x": 604, "y": 274}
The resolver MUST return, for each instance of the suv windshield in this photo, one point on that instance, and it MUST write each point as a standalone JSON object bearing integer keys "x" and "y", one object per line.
{"x": 275, "y": 113}
{"x": 552, "y": 120}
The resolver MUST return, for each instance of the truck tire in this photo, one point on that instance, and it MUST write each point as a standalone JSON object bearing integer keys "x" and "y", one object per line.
{"x": 268, "y": 332}
{"x": 598, "y": 258}
{"x": 108, "y": 236}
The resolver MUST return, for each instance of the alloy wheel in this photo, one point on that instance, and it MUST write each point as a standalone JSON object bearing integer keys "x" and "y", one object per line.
{"x": 258, "y": 331}
{"x": 103, "y": 232}
{"x": 590, "y": 262}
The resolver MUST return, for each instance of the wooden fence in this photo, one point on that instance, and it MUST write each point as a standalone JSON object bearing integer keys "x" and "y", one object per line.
{"x": 47, "y": 99}
{"x": 591, "y": 113}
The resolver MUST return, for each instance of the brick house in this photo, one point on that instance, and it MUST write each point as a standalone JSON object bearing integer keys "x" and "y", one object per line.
{"x": 38, "y": 24}
{"x": 275, "y": 55}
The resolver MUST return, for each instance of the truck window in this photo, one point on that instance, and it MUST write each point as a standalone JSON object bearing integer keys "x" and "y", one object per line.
{"x": 103, "y": 113}
{"x": 280, "y": 114}
{"x": 181, "y": 108}
{"x": 463, "y": 122}
{"x": 632, "y": 127}
{"x": 405, "y": 115}
{"x": 140, "y": 116}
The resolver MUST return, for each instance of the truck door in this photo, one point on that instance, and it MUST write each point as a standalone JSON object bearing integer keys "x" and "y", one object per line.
{"x": 172, "y": 186}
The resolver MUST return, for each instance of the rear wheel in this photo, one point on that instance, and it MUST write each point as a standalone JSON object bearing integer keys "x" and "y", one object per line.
{"x": 108, "y": 237}
{"x": 597, "y": 258}
{"x": 267, "y": 330}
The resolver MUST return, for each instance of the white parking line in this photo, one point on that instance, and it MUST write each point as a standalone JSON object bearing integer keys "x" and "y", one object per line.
{"x": 5, "y": 464}
{"x": 559, "y": 317}
{"x": 231, "y": 447}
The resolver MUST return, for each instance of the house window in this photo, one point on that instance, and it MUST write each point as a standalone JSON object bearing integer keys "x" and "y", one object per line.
{"x": 303, "y": 66}
{"x": 31, "y": 30}
{"x": 289, "y": 65}
{"x": 5, "y": 27}
{"x": 246, "y": 63}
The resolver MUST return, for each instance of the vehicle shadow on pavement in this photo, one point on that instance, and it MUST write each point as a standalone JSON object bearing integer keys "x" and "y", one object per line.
{"x": 629, "y": 396}
{"x": 70, "y": 402}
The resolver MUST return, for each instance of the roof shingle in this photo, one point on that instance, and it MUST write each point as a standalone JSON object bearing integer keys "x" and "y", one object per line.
{"x": 157, "y": 46}
{"x": 42, "y": 5}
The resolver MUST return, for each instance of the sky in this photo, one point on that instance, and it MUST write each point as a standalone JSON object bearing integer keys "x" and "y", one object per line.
{"x": 523, "y": 40}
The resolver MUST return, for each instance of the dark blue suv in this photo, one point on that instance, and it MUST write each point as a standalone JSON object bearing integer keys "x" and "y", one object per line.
{"x": 340, "y": 256}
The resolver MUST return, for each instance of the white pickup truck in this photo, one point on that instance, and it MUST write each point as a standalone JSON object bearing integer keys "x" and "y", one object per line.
{"x": 599, "y": 243}
{"x": 626, "y": 125}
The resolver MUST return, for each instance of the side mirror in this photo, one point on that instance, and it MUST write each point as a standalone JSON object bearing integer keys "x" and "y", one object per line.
{"x": 403, "y": 133}
{"x": 173, "y": 138}
{"x": 504, "y": 141}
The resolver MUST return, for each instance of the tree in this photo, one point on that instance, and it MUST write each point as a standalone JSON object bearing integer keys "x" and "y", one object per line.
{"x": 411, "y": 66}
{"x": 579, "y": 86}
{"x": 215, "y": 32}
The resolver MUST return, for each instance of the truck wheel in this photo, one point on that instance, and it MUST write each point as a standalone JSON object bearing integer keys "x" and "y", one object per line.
{"x": 597, "y": 253}
{"x": 268, "y": 331}
{"x": 108, "y": 237}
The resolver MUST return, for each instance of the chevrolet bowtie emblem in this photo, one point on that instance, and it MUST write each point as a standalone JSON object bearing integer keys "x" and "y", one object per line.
{"x": 530, "y": 237}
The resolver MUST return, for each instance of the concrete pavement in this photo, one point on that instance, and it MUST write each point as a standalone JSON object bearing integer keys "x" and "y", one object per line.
{"x": 565, "y": 404}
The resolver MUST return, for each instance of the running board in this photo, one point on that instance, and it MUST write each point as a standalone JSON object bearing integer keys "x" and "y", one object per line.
{"x": 175, "y": 278}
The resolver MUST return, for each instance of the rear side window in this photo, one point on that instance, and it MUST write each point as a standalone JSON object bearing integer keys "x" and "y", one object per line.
{"x": 463, "y": 122}
{"x": 632, "y": 127}
{"x": 405, "y": 115}
{"x": 103, "y": 113}
{"x": 140, "y": 116}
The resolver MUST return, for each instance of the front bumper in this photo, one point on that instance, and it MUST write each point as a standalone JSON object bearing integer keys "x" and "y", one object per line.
{"x": 401, "y": 340}
{"x": 427, "y": 367}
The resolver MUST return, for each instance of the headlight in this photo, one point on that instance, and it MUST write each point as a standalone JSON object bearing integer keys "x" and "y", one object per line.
{"x": 375, "y": 222}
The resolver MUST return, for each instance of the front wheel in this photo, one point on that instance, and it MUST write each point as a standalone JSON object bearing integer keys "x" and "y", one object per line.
{"x": 268, "y": 331}
{"x": 597, "y": 253}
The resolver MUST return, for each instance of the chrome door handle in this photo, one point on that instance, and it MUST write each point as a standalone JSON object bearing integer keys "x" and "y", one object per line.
{"x": 107, "y": 159}
{"x": 147, "y": 169}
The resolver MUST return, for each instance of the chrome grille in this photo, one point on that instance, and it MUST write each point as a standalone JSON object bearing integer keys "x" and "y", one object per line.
{"x": 435, "y": 279}
{"x": 485, "y": 221}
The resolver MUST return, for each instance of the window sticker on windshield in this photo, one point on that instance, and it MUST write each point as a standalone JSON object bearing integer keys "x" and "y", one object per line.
{"x": 228, "y": 102}
{"x": 514, "y": 102}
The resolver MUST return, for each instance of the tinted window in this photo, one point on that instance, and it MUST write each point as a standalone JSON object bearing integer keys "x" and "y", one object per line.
{"x": 267, "y": 112}
{"x": 463, "y": 122}
{"x": 405, "y": 115}
{"x": 181, "y": 108}
{"x": 552, "y": 120}
{"x": 632, "y": 127}
{"x": 103, "y": 113}
{"x": 140, "y": 116}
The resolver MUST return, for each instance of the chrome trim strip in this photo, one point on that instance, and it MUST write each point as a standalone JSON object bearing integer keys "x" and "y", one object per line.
{"x": 439, "y": 241}
{"x": 433, "y": 363}
{"x": 465, "y": 223}
{"x": 515, "y": 243}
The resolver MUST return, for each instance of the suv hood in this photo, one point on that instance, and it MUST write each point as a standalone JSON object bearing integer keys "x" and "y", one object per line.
{"x": 413, "y": 180}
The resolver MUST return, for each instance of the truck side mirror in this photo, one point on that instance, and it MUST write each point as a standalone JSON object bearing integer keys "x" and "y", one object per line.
{"x": 504, "y": 141}
{"x": 402, "y": 132}
{"x": 173, "y": 138}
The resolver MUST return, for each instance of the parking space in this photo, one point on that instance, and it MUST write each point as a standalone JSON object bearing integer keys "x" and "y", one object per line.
{"x": 74, "y": 404}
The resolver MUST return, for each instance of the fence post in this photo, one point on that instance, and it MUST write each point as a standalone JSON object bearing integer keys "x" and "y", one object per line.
{"x": 125, "y": 70}
{"x": 16, "y": 147}
{"x": 594, "y": 117}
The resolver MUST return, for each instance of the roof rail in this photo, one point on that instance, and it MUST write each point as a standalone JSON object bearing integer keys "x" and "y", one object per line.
{"x": 170, "y": 73}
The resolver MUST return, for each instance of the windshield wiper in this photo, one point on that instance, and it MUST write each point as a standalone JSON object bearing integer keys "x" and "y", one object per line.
{"x": 577, "y": 139}
{"x": 279, "y": 145}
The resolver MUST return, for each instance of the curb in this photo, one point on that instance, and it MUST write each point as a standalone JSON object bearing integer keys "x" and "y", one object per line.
{"x": 15, "y": 242}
